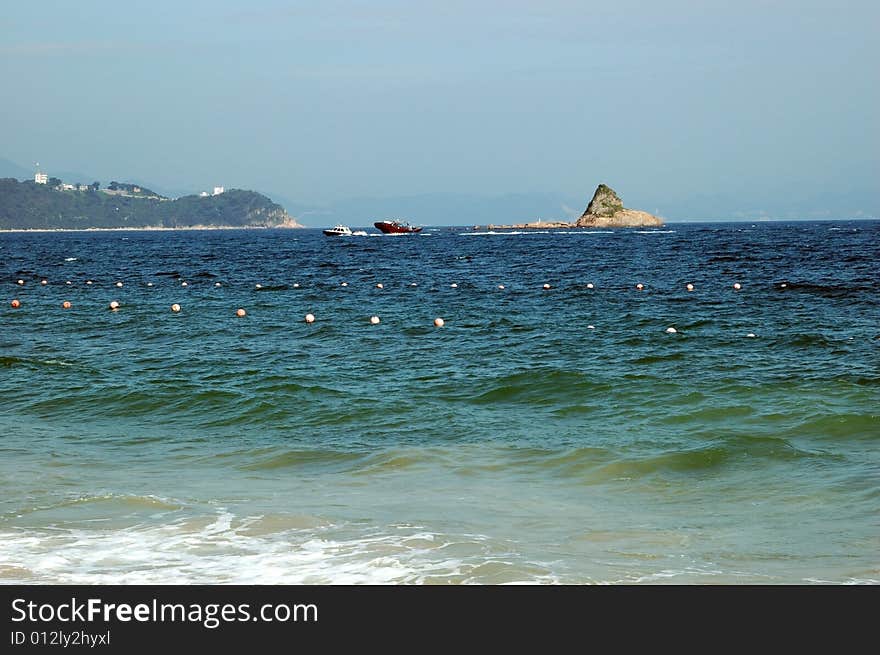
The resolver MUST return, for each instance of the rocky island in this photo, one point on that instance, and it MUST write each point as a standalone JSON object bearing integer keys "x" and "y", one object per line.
{"x": 605, "y": 210}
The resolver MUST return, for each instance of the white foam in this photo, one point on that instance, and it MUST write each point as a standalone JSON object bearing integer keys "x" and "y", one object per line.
{"x": 224, "y": 549}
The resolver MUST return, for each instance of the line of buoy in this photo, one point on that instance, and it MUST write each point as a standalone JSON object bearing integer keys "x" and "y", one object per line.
{"x": 310, "y": 318}
{"x": 296, "y": 285}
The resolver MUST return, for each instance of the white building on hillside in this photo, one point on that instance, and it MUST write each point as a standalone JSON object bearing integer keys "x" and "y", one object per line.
{"x": 41, "y": 178}
{"x": 218, "y": 190}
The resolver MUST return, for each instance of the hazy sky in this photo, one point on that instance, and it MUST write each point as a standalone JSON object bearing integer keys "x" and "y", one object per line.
{"x": 325, "y": 101}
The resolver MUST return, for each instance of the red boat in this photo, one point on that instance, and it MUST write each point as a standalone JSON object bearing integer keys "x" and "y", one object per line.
{"x": 396, "y": 227}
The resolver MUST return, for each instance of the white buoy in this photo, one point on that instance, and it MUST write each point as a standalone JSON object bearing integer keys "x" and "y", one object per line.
{"x": 640, "y": 286}
{"x": 690, "y": 287}
{"x": 380, "y": 286}
{"x": 296, "y": 285}
{"x": 258, "y": 286}
{"x": 66, "y": 305}
{"x": 591, "y": 327}
{"x": 217, "y": 284}
{"x": 175, "y": 307}
{"x": 783, "y": 285}
{"x": 737, "y": 286}
{"x": 44, "y": 282}
{"x": 500, "y": 286}
{"x": 68, "y": 282}
{"x": 546, "y": 286}
{"x": 88, "y": 281}
{"x": 310, "y": 318}
{"x": 413, "y": 284}
{"x": 374, "y": 320}
{"x": 20, "y": 282}
{"x": 438, "y": 322}
{"x": 149, "y": 284}
{"x": 454, "y": 285}
{"x": 114, "y": 305}
{"x": 240, "y": 313}
{"x": 344, "y": 284}
{"x": 671, "y": 330}
{"x": 119, "y": 284}
{"x": 184, "y": 284}
{"x": 751, "y": 335}
{"x": 589, "y": 285}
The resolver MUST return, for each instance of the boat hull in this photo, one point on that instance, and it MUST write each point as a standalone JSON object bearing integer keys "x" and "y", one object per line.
{"x": 393, "y": 227}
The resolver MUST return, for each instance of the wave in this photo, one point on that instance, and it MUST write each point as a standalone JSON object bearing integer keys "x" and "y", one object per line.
{"x": 33, "y": 363}
{"x": 538, "y": 387}
{"x": 277, "y": 549}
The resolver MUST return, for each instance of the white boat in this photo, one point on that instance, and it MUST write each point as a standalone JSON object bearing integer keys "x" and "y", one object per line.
{"x": 339, "y": 231}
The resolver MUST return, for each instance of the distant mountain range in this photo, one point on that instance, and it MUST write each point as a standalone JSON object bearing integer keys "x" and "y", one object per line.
{"x": 481, "y": 209}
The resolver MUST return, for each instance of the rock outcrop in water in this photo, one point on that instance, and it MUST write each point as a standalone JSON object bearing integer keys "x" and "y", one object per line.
{"x": 606, "y": 210}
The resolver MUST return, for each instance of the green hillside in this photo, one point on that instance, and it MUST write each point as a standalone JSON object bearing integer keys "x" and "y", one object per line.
{"x": 27, "y": 205}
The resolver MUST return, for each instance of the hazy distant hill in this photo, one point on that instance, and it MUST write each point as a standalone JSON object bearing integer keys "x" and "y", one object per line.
{"x": 26, "y": 205}
{"x": 11, "y": 169}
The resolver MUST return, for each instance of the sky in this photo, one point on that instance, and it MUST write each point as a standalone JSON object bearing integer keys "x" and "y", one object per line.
{"x": 735, "y": 109}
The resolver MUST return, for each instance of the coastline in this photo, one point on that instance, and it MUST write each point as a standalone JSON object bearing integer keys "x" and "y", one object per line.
{"x": 156, "y": 228}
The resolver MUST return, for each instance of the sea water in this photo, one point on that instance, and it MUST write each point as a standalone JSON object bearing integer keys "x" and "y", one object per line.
{"x": 542, "y": 435}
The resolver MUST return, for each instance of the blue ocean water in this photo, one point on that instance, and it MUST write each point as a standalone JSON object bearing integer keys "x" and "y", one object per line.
{"x": 557, "y": 435}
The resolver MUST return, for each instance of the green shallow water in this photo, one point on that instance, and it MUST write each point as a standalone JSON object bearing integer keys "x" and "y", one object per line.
{"x": 541, "y": 436}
